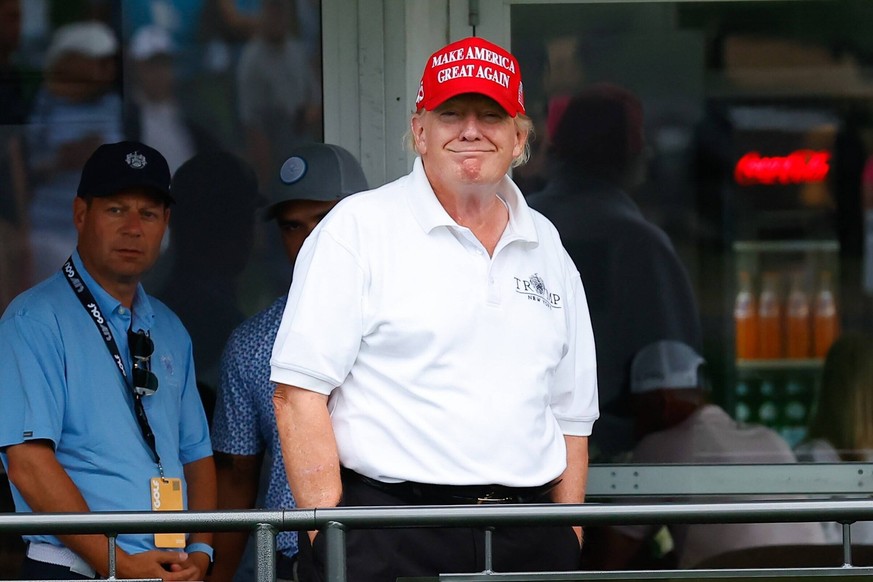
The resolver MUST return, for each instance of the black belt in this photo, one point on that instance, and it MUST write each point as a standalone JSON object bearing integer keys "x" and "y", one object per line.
{"x": 431, "y": 494}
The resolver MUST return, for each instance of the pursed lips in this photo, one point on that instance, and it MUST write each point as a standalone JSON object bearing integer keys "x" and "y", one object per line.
{"x": 471, "y": 152}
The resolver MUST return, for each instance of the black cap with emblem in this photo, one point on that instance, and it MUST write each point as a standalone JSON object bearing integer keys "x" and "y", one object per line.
{"x": 125, "y": 165}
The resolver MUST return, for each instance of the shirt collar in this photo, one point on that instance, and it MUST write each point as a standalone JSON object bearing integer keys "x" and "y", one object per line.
{"x": 143, "y": 314}
{"x": 430, "y": 214}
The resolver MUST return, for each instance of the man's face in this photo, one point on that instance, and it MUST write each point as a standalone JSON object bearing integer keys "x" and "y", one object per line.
{"x": 79, "y": 77}
{"x": 298, "y": 218}
{"x": 120, "y": 235}
{"x": 469, "y": 140}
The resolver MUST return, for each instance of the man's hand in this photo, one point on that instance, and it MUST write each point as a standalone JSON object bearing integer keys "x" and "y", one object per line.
{"x": 197, "y": 560}
{"x": 159, "y": 564}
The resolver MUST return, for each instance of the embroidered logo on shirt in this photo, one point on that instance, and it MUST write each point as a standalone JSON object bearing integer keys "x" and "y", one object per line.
{"x": 534, "y": 287}
{"x": 167, "y": 361}
{"x": 136, "y": 160}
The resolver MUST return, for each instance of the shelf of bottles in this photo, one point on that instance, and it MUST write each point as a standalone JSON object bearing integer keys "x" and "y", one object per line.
{"x": 786, "y": 316}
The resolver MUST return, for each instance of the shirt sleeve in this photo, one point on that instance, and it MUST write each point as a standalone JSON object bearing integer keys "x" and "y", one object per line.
{"x": 33, "y": 394}
{"x": 234, "y": 423}
{"x": 194, "y": 442}
{"x": 322, "y": 327}
{"x": 574, "y": 393}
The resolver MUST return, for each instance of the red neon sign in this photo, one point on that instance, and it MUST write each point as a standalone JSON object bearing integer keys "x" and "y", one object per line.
{"x": 795, "y": 168}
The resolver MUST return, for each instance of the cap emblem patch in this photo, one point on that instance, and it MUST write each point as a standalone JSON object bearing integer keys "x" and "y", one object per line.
{"x": 420, "y": 96}
{"x": 136, "y": 160}
{"x": 293, "y": 170}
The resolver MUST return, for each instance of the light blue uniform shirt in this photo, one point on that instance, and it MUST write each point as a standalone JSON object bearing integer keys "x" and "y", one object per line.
{"x": 59, "y": 383}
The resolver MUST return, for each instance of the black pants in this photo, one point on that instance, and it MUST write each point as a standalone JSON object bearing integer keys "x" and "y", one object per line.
{"x": 35, "y": 570}
{"x": 383, "y": 555}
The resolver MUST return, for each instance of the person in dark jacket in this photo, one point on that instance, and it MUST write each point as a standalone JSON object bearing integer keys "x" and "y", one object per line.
{"x": 637, "y": 287}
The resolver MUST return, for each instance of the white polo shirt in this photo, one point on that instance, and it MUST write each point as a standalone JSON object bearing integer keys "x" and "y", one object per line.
{"x": 443, "y": 364}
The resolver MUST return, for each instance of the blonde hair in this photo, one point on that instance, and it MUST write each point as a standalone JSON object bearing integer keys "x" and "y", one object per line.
{"x": 523, "y": 124}
{"x": 843, "y": 413}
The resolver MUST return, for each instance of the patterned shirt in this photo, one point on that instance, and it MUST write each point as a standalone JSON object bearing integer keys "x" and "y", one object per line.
{"x": 244, "y": 421}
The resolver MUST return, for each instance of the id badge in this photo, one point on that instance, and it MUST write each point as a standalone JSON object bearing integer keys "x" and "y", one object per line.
{"x": 166, "y": 495}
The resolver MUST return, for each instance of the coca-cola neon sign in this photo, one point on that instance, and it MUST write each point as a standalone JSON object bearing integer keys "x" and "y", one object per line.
{"x": 796, "y": 168}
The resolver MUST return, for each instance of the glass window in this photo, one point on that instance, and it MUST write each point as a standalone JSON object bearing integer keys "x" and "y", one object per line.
{"x": 186, "y": 77}
{"x": 709, "y": 167}
{"x": 722, "y": 148}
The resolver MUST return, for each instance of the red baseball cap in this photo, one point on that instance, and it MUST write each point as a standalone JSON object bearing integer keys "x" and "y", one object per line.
{"x": 471, "y": 65}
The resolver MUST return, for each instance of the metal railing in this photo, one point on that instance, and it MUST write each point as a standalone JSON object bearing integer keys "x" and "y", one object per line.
{"x": 335, "y": 521}
{"x": 612, "y": 483}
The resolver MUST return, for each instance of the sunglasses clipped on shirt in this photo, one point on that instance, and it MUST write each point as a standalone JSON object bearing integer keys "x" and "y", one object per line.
{"x": 145, "y": 383}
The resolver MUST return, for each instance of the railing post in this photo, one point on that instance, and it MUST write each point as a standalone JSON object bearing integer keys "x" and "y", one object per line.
{"x": 335, "y": 534}
{"x": 489, "y": 550}
{"x": 847, "y": 545}
{"x": 112, "y": 540}
{"x": 265, "y": 557}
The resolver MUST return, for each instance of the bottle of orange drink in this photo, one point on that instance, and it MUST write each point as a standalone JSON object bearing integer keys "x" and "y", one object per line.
{"x": 825, "y": 320}
{"x": 746, "y": 319}
{"x": 798, "y": 336}
{"x": 770, "y": 331}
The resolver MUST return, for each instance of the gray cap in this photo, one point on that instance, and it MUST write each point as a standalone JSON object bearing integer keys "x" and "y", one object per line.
{"x": 317, "y": 171}
{"x": 665, "y": 364}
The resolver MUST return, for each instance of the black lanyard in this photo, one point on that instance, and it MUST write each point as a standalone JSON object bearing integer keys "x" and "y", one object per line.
{"x": 90, "y": 305}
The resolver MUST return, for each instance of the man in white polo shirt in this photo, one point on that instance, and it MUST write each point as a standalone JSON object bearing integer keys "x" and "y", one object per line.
{"x": 436, "y": 347}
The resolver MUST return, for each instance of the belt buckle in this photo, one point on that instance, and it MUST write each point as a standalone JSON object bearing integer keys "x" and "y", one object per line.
{"x": 492, "y": 498}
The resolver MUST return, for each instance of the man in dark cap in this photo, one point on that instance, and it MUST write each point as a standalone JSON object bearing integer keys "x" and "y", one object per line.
{"x": 309, "y": 184}
{"x": 100, "y": 410}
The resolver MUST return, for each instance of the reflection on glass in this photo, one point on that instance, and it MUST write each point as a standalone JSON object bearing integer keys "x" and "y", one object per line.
{"x": 184, "y": 76}
{"x": 758, "y": 125}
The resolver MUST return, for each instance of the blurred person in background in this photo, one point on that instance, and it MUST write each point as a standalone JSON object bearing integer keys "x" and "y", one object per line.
{"x": 14, "y": 248}
{"x": 678, "y": 425}
{"x": 245, "y": 438}
{"x": 210, "y": 243}
{"x": 14, "y": 105}
{"x": 841, "y": 427}
{"x": 180, "y": 19}
{"x": 154, "y": 114}
{"x": 279, "y": 94}
{"x": 225, "y": 27}
{"x": 638, "y": 290}
{"x": 76, "y": 110}
{"x": 14, "y": 108}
